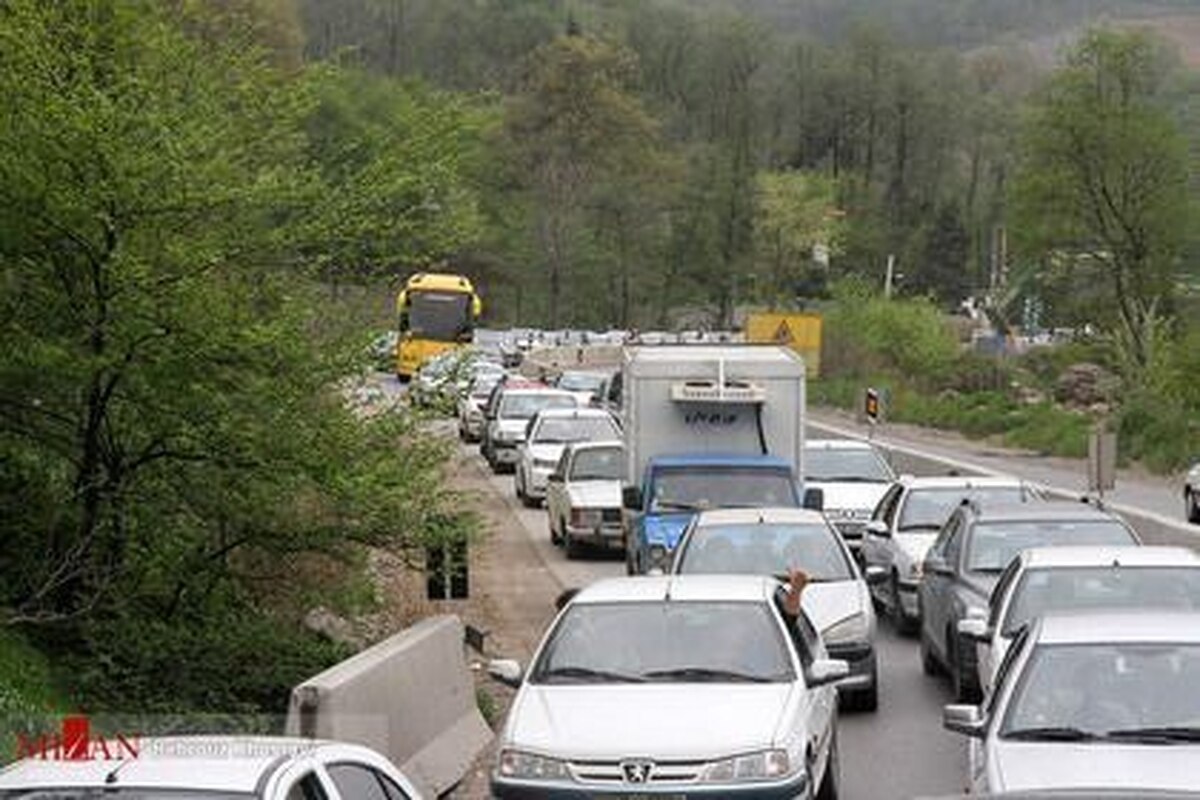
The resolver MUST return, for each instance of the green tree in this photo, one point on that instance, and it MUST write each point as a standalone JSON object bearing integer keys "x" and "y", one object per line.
{"x": 797, "y": 212}
{"x": 1104, "y": 175}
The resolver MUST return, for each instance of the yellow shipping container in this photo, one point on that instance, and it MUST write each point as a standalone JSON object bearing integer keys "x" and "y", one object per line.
{"x": 801, "y": 332}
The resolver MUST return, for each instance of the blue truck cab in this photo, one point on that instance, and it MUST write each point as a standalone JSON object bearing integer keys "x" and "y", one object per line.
{"x": 674, "y": 488}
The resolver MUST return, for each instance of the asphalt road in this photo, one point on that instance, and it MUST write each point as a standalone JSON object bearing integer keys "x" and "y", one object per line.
{"x": 897, "y": 752}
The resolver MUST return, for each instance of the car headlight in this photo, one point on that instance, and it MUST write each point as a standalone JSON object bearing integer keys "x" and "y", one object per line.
{"x": 585, "y": 517}
{"x": 852, "y": 629}
{"x": 763, "y": 766}
{"x": 531, "y": 767}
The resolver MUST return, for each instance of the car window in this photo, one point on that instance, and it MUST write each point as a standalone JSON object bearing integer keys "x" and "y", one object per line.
{"x": 1004, "y": 668}
{"x": 929, "y": 508}
{"x": 954, "y": 540}
{"x": 800, "y": 630}
{"x": 766, "y": 549}
{"x": 845, "y": 465}
{"x": 994, "y": 544}
{"x": 357, "y": 782}
{"x": 393, "y": 791}
{"x": 564, "y": 430}
{"x": 307, "y": 787}
{"x": 886, "y": 508}
{"x": 996, "y": 600}
{"x": 599, "y": 464}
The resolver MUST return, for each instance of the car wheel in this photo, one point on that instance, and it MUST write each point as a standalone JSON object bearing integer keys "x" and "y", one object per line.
{"x": 555, "y": 538}
{"x": 630, "y": 561}
{"x": 572, "y": 547}
{"x": 1193, "y": 506}
{"x": 929, "y": 663}
{"x": 831, "y": 781}
{"x": 966, "y": 685}
{"x": 904, "y": 624}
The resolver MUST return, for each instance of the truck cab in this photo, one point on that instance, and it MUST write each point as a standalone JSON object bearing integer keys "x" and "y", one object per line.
{"x": 675, "y": 488}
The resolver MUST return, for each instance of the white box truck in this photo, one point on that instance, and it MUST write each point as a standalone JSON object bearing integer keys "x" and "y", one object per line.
{"x": 707, "y": 426}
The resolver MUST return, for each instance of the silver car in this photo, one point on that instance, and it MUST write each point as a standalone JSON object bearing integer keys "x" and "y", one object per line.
{"x": 771, "y": 541}
{"x": 1047, "y": 580}
{"x": 697, "y": 686}
{"x": 907, "y": 521}
{"x": 548, "y": 434}
{"x": 1102, "y": 702}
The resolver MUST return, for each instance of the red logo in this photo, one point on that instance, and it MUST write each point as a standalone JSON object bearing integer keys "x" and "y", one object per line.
{"x": 76, "y": 742}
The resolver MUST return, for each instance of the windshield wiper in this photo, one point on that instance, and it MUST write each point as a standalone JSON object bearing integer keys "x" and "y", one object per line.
{"x": 1156, "y": 734}
{"x": 1061, "y": 733}
{"x": 704, "y": 674}
{"x": 587, "y": 673}
{"x": 919, "y": 526}
{"x": 987, "y": 570}
{"x": 675, "y": 505}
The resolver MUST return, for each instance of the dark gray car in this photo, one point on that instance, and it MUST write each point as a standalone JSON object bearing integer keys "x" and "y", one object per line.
{"x": 964, "y": 563}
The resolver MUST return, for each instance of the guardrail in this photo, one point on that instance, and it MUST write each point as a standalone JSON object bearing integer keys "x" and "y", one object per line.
{"x": 410, "y": 697}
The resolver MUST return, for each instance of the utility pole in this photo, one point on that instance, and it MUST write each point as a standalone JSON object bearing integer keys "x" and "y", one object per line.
{"x": 891, "y": 272}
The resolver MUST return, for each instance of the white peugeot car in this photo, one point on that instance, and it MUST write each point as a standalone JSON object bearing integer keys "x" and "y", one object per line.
{"x": 583, "y": 497}
{"x": 210, "y": 768}
{"x": 694, "y": 685}
{"x": 853, "y": 476}
{"x": 1091, "y": 705}
{"x": 906, "y": 523}
{"x": 1045, "y": 580}
{"x": 548, "y": 434}
{"x": 772, "y": 541}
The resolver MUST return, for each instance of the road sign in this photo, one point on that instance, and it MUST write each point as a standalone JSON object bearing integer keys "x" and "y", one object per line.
{"x": 800, "y": 332}
{"x": 783, "y": 334}
{"x": 871, "y": 405}
{"x": 1102, "y": 461}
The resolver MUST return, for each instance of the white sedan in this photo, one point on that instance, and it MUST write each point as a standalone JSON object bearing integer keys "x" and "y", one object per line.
{"x": 583, "y": 497}
{"x": 210, "y": 768}
{"x": 548, "y": 433}
{"x": 771, "y": 541}
{"x": 695, "y": 685}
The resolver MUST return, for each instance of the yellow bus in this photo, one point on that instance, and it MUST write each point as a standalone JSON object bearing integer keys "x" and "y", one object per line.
{"x": 435, "y": 312}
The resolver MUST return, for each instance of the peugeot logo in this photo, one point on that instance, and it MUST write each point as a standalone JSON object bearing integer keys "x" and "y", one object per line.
{"x": 637, "y": 771}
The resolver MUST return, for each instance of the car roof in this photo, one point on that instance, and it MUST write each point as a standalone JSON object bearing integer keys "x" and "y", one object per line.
{"x": 582, "y": 412}
{"x": 767, "y": 516}
{"x": 1119, "y": 627}
{"x": 720, "y": 460}
{"x": 596, "y": 444}
{"x": 1102, "y": 556}
{"x": 683, "y": 588}
{"x": 1042, "y": 511}
{"x": 960, "y": 481}
{"x": 838, "y": 444}
{"x": 202, "y": 763}
{"x": 535, "y": 389}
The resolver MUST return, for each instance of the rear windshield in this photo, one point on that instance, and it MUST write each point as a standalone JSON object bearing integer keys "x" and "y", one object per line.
{"x": 994, "y": 544}
{"x": 765, "y": 549}
{"x": 833, "y": 465}
{"x": 581, "y": 429}
{"x": 524, "y": 406}
{"x": 599, "y": 464}
{"x": 928, "y": 509}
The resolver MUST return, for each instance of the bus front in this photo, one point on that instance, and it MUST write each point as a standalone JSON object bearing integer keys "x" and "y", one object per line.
{"x": 436, "y": 313}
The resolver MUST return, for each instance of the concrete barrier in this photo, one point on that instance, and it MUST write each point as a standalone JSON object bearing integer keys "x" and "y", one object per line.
{"x": 411, "y": 697}
{"x": 1154, "y": 528}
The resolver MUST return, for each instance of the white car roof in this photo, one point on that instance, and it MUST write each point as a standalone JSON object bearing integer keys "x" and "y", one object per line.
{"x": 1125, "y": 627}
{"x": 657, "y": 589}
{"x": 772, "y": 515}
{"x": 515, "y": 391}
{"x": 200, "y": 763}
{"x": 960, "y": 481}
{"x": 837, "y": 444}
{"x": 574, "y": 413}
{"x": 600, "y": 444}
{"x": 1096, "y": 556}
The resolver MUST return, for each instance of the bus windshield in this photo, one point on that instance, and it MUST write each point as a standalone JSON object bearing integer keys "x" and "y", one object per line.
{"x": 440, "y": 316}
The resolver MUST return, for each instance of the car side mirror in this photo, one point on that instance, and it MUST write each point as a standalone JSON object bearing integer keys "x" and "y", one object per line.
{"x": 975, "y": 628}
{"x": 814, "y": 499}
{"x": 564, "y": 597}
{"x": 631, "y": 498}
{"x": 967, "y": 720}
{"x": 878, "y": 527}
{"x": 875, "y": 575}
{"x": 506, "y": 671}
{"x": 825, "y": 671}
{"x": 936, "y": 565}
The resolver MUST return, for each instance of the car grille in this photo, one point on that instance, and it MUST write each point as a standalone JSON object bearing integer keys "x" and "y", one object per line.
{"x": 609, "y": 772}
{"x": 611, "y": 515}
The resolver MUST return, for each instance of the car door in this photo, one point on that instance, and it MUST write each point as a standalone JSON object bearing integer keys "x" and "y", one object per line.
{"x": 557, "y": 504}
{"x": 936, "y": 586}
{"x": 818, "y": 717}
{"x": 985, "y": 652}
{"x": 977, "y": 748}
{"x": 876, "y": 549}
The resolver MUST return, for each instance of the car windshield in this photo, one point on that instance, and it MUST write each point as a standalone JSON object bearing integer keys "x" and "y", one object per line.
{"x": 580, "y": 382}
{"x": 994, "y": 544}
{"x": 678, "y": 641}
{"x": 765, "y": 549}
{"x": 1041, "y": 591}
{"x": 929, "y": 508}
{"x": 599, "y": 464}
{"x": 694, "y": 488}
{"x": 524, "y": 406}
{"x": 580, "y": 429}
{"x": 1098, "y": 690}
{"x": 441, "y": 316}
{"x": 845, "y": 466}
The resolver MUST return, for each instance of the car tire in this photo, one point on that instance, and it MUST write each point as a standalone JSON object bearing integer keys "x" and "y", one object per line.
{"x": 630, "y": 561}
{"x": 571, "y": 546}
{"x": 904, "y": 624}
{"x": 1192, "y": 499}
{"x": 966, "y": 686}
{"x": 866, "y": 700}
{"x": 555, "y": 537}
{"x": 831, "y": 782}
{"x": 929, "y": 663}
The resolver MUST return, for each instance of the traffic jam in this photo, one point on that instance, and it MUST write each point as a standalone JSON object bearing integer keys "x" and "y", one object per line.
{"x": 760, "y": 566}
